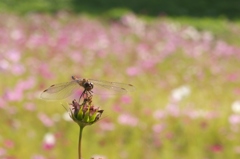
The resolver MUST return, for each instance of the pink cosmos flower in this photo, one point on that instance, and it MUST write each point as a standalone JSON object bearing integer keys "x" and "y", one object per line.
{"x": 4, "y": 65}
{"x": 38, "y": 157}
{"x": 14, "y": 55}
{"x": 216, "y": 148}
{"x": 45, "y": 71}
{"x": 18, "y": 69}
{"x": 159, "y": 114}
{"x": 9, "y": 143}
{"x": 222, "y": 48}
{"x": 126, "y": 99}
{"x": 27, "y": 84}
{"x": 234, "y": 119}
{"x": 76, "y": 56}
{"x": 2, "y": 152}
{"x": 173, "y": 109}
{"x": 233, "y": 77}
{"x": 127, "y": 119}
{"x": 237, "y": 91}
{"x": 133, "y": 71}
{"x": 30, "y": 106}
{"x": 17, "y": 93}
{"x": 106, "y": 125}
{"x": 117, "y": 108}
{"x": 2, "y": 103}
{"x": 149, "y": 64}
{"x": 49, "y": 141}
{"x": 157, "y": 128}
{"x": 16, "y": 34}
{"x": 48, "y": 122}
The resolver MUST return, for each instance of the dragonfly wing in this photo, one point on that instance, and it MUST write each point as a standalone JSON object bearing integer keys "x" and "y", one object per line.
{"x": 59, "y": 91}
{"x": 114, "y": 87}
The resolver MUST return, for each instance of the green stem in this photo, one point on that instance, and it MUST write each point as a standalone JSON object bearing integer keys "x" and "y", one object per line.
{"x": 79, "y": 142}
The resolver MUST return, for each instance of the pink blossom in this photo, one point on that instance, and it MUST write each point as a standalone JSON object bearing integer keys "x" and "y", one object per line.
{"x": 2, "y": 152}
{"x": 117, "y": 108}
{"x": 173, "y": 109}
{"x": 48, "y": 122}
{"x": 149, "y": 64}
{"x": 133, "y": 71}
{"x": 234, "y": 119}
{"x": 44, "y": 70}
{"x": 216, "y": 148}
{"x": 233, "y": 77}
{"x": 169, "y": 135}
{"x": 126, "y": 99}
{"x": 18, "y": 69}
{"x": 63, "y": 40}
{"x": 127, "y": 119}
{"x": 15, "y": 95}
{"x": 9, "y": 144}
{"x": 157, "y": 128}
{"x": 76, "y": 56}
{"x": 156, "y": 140}
{"x": 222, "y": 48}
{"x": 4, "y": 65}
{"x": 237, "y": 91}
{"x": 106, "y": 125}
{"x": 36, "y": 40}
{"x": 14, "y": 55}
{"x": 201, "y": 114}
{"x": 26, "y": 84}
{"x": 38, "y": 157}
{"x": 49, "y": 141}
{"x": 30, "y": 106}
{"x": 159, "y": 114}
{"x": 143, "y": 50}
{"x": 2, "y": 103}
{"x": 17, "y": 34}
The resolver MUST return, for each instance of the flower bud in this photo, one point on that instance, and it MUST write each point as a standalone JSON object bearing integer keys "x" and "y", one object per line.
{"x": 85, "y": 114}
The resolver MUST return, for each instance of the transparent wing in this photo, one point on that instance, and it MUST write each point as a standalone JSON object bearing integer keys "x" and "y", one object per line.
{"x": 59, "y": 91}
{"x": 114, "y": 87}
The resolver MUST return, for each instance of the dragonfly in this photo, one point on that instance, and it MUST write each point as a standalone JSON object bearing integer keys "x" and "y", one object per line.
{"x": 64, "y": 90}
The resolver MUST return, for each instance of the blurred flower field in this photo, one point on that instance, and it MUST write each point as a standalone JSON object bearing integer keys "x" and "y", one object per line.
{"x": 186, "y": 103}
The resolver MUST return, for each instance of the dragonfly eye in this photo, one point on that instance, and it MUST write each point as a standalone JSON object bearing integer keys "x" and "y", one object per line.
{"x": 88, "y": 86}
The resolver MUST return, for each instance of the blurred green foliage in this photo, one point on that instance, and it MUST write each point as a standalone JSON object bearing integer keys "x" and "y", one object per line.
{"x": 26, "y": 6}
{"x": 171, "y": 7}
{"x": 214, "y": 8}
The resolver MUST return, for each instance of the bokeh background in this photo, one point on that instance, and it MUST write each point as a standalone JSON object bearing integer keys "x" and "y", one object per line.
{"x": 181, "y": 56}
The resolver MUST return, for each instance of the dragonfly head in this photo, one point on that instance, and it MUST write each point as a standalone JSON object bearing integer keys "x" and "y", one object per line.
{"x": 88, "y": 86}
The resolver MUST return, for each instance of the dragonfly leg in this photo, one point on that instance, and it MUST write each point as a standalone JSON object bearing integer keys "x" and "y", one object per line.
{"x": 86, "y": 95}
{"x": 82, "y": 95}
{"x": 90, "y": 94}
